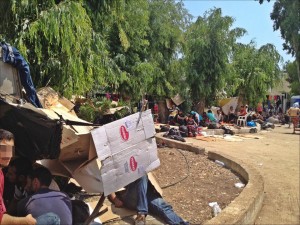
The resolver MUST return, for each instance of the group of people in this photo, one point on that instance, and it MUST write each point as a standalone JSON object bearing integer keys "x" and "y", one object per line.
{"x": 35, "y": 199}
{"x": 214, "y": 118}
{"x": 178, "y": 117}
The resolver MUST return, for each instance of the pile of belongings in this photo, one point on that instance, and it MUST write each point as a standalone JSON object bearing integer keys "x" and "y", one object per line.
{"x": 174, "y": 133}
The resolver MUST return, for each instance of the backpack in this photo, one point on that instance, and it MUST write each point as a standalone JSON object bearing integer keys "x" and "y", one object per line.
{"x": 184, "y": 131}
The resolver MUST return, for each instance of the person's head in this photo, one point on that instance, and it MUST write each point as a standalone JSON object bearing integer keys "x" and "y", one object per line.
{"x": 296, "y": 105}
{"x": 209, "y": 111}
{"x": 231, "y": 107}
{"x": 6, "y": 147}
{"x": 18, "y": 169}
{"x": 193, "y": 113}
{"x": 38, "y": 178}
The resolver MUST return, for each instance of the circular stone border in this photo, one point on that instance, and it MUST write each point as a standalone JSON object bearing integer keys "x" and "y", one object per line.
{"x": 244, "y": 208}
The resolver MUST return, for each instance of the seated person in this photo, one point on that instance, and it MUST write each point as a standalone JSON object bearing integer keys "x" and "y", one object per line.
{"x": 231, "y": 115}
{"x": 242, "y": 111}
{"x": 256, "y": 117}
{"x": 141, "y": 196}
{"x": 191, "y": 125}
{"x": 171, "y": 118}
{"x": 220, "y": 117}
{"x": 213, "y": 122}
{"x": 205, "y": 121}
{"x": 180, "y": 118}
{"x": 211, "y": 117}
{"x": 6, "y": 153}
{"x": 45, "y": 204}
{"x": 197, "y": 117}
{"x": 18, "y": 170}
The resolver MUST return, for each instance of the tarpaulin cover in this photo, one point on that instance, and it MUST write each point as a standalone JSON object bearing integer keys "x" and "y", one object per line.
{"x": 227, "y": 102}
{"x": 12, "y": 56}
{"x": 36, "y": 135}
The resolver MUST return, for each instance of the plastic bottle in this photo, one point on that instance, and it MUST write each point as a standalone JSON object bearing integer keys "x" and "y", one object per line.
{"x": 219, "y": 163}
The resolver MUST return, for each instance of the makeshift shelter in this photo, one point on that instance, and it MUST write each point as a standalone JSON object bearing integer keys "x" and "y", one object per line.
{"x": 13, "y": 57}
{"x": 177, "y": 100}
{"x": 227, "y": 102}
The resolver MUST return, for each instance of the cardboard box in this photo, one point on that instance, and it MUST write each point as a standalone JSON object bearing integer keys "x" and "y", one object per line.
{"x": 127, "y": 150}
{"x": 114, "y": 155}
{"x": 76, "y": 140}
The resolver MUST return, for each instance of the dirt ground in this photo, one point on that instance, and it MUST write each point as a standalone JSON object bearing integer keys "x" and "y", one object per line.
{"x": 275, "y": 155}
{"x": 191, "y": 181}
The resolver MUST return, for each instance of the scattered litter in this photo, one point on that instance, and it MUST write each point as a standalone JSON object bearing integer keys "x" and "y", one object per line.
{"x": 239, "y": 185}
{"x": 219, "y": 163}
{"x": 215, "y": 207}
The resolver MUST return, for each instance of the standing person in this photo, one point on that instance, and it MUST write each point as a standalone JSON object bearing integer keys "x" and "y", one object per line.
{"x": 6, "y": 153}
{"x": 45, "y": 204}
{"x": 141, "y": 196}
{"x": 294, "y": 113}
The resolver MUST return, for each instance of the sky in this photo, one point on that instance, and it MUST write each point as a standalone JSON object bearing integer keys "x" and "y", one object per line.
{"x": 248, "y": 14}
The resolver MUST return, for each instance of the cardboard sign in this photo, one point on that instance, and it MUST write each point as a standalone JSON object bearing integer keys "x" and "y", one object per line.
{"x": 127, "y": 150}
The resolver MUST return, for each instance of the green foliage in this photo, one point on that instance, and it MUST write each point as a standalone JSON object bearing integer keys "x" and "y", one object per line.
{"x": 209, "y": 43}
{"x": 97, "y": 107}
{"x": 87, "y": 112}
{"x": 291, "y": 70}
{"x": 286, "y": 17}
{"x": 133, "y": 47}
{"x": 257, "y": 69}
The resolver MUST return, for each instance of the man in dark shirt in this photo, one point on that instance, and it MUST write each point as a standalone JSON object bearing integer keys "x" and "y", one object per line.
{"x": 44, "y": 200}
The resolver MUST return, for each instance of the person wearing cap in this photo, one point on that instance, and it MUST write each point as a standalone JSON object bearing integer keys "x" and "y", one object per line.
{"x": 6, "y": 153}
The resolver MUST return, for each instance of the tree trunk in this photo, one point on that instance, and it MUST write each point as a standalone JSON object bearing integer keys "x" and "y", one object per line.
{"x": 200, "y": 106}
{"x": 163, "y": 112}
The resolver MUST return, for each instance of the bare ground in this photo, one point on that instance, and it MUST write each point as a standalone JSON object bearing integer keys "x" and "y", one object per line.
{"x": 275, "y": 154}
{"x": 203, "y": 181}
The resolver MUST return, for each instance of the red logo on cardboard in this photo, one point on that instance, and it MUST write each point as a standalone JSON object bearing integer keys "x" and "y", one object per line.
{"x": 124, "y": 133}
{"x": 133, "y": 163}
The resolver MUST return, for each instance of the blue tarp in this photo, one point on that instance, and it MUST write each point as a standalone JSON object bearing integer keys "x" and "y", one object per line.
{"x": 12, "y": 56}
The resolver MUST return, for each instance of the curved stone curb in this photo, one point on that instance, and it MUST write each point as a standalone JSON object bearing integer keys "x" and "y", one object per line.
{"x": 178, "y": 144}
{"x": 244, "y": 208}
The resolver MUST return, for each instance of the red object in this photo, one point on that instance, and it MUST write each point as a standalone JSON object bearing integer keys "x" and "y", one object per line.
{"x": 2, "y": 206}
{"x": 124, "y": 133}
{"x": 155, "y": 108}
{"x": 133, "y": 163}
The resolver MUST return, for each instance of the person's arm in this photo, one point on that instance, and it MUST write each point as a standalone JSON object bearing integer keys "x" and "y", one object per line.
{"x": 11, "y": 220}
{"x": 114, "y": 200}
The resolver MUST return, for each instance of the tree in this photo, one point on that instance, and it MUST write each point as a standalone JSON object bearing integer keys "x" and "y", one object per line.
{"x": 291, "y": 70}
{"x": 168, "y": 20}
{"x": 209, "y": 43}
{"x": 58, "y": 40}
{"x": 257, "y": 71}
{"x": 286, "y": 17}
